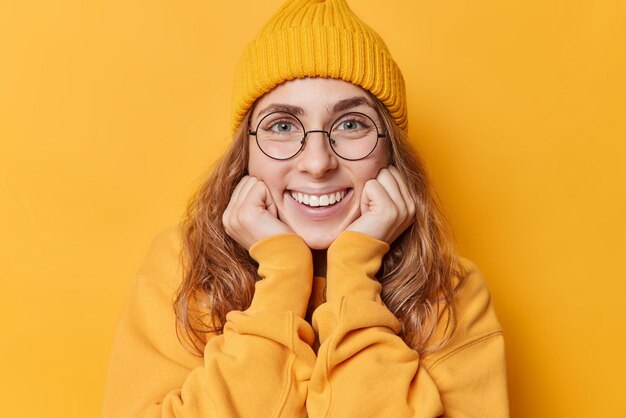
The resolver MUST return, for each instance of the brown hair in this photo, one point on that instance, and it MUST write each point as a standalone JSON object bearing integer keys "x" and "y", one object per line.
{"x": 420, "y": 274}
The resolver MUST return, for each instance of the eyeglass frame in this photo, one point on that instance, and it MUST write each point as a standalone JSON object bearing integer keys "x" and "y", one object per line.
{"x": 306, "y": 133}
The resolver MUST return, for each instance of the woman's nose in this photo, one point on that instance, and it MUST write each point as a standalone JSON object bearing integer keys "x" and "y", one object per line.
{"x": 317, "y": 158}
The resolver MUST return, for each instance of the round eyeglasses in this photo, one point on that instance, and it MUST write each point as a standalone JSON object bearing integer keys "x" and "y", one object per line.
{"x": 352, "y": 136}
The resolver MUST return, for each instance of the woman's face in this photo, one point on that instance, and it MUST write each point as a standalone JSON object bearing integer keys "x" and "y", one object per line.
{"x": 316, "y": 174}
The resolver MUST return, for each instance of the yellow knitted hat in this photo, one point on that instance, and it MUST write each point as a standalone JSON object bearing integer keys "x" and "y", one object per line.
{"x": 317, "y": 38}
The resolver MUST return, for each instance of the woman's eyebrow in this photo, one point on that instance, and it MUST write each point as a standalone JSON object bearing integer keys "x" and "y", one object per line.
{"x": 281, "y": 107}
{"x": 340, "y": 106}
{"x": 356, "y": 101}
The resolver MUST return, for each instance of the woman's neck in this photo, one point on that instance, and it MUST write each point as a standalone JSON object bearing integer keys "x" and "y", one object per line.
{"x": 319, "y": 263}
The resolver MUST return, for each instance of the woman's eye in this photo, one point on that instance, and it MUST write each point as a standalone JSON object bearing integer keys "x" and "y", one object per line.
{"x": 350, "y": 125}
{"x": 282, "y": 127}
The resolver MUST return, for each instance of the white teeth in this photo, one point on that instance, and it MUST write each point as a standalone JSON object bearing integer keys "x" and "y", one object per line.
{"x": 321, "y": 200}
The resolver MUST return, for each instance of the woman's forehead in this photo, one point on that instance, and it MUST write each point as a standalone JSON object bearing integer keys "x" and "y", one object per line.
{"x": 305, "y": 95}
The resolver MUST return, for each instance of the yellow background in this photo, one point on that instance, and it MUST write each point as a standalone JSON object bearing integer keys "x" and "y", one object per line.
{"x": 111, "y": 111}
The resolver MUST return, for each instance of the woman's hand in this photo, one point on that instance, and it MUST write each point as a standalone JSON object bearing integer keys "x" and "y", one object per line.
{"x": 251, "y": 213}
{"x": 387, "y": 208}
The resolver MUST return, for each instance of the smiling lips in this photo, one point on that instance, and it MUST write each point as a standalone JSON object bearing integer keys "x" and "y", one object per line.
{"x": 318, "y": 200}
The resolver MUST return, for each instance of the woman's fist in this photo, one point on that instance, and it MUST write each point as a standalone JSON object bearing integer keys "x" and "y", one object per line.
{"x": 251, "y": 213}
{"x": 387, "y": 207}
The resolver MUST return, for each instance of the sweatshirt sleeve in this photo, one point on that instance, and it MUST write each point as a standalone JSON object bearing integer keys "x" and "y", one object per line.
{"x": 259, "y": 366}
{"x": 365, "y": 369}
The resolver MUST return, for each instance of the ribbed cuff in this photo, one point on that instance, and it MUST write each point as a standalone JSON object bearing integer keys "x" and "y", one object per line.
{"x": 353, "y": 261}
{"x": 286, "y": 270}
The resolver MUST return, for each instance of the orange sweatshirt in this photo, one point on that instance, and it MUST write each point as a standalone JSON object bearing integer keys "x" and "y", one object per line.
{"x": 263, "y": 365}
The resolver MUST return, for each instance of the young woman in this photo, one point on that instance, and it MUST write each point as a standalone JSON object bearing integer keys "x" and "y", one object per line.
{"x": 314, "y": 274}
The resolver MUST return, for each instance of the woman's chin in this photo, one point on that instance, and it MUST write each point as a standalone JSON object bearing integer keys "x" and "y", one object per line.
{"x": 320, "y": 234}
{"x": 317, "y": 240}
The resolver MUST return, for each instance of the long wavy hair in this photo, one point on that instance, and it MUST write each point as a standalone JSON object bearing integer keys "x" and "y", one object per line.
{"x": 420, "y": 274}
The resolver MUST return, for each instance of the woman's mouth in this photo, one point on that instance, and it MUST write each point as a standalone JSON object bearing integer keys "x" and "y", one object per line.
{"x": 317, "y": 200}
{"x": 335, "y": 205}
